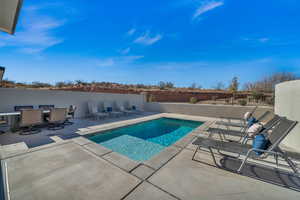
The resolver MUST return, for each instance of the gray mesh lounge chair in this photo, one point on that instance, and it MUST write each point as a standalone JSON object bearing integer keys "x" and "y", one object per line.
{"x": 243, "y": 123}
{"x": 30, "y": 119}
{"x": 113, "y": 110}
{"x": 57, "y": 118}
{"x": 136, "y": 109}
{"x": 279, "y": 132}
{"x": 126, "y": 111}
{"x": 242, "y": 135}
{"x": 94, "y": 112}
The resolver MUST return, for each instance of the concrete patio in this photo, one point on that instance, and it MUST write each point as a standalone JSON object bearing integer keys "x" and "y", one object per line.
{"x": 80, "y": 169}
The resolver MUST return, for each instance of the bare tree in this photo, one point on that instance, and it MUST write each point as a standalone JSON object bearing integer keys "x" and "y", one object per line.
{"x": 219, "y": 86}
{"x": 195, "y": 86}
{"x": 268, "y": 83}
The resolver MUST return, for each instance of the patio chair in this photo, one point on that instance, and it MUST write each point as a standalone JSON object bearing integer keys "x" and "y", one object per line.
{"x": 280, "y": 131}
{"x": 46, "y": 108}
{"x": 242, "y": 134}
{"x": 94, "y": 112}
{"x": 243, "y": 123}
{"x": 30, "y": 120}
{"x": 19, "y": 108}
{"x": 56, "y": 118}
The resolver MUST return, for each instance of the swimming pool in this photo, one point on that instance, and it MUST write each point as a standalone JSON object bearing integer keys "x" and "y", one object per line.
{"x": 142, "y": 141}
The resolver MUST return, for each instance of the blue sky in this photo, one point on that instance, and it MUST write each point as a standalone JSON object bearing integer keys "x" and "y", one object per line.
{"x": 134, "y": 41}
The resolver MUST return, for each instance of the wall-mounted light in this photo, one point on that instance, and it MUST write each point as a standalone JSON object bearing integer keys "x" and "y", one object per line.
{"x": 9, "y": 13}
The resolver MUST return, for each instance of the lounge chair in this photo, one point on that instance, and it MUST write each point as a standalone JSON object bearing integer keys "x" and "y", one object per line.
{"x": 241, "y": 134}
{"x": 29, "y": 121}
{"x": 243, "y": 123}
{"x": 94, "y": 112}
{"x": 123, "y": 108}
{"x": 112, "y": 110}
{"x": 57, "y": 118}
{"x": 136, "y": 109}
{"x": 279, "y": 132}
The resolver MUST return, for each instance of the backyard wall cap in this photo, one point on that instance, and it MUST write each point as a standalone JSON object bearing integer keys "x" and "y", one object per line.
{"x": 288, "y": 82}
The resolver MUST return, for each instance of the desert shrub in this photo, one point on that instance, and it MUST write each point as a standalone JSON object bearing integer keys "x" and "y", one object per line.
{"x": 193, "y": 100}
{"x": 242, "y": 102}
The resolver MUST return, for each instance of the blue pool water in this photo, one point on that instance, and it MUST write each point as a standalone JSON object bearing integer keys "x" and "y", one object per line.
{"x": 142, "y": 141}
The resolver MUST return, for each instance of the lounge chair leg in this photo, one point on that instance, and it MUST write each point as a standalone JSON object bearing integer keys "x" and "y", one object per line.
{"x": 198, "y": 147}
{"x": 244, "y": 162}
{"x": 213, "y": 157}
{"x": 276, "y": 159}
{"x": 290, "y": 163}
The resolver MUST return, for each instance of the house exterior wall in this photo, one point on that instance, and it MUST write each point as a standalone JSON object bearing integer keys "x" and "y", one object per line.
{"x": 287, "y": 103}
{"x": 204, "y": 109}
{"x": 10, "y": 97}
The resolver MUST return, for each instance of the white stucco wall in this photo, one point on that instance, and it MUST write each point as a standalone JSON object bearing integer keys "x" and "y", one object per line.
{"x": 10, "y": 97}
{"x": 287, "y": 103}
{"x": 204, "y": 109}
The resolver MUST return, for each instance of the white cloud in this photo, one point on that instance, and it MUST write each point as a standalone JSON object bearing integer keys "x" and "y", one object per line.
{"x": 117, "y": 61}
{"x": 130, "y": 59}
{"x": 257, "y": 40}
{"x": 148, "y": 39}
{"x": 131, "y": 31}
{"x": 36, "y": 32}
{"x": 105, "y": 62}
{"x": 263, "y": 40}
{"x": 125, "y": 51}
{"x": 207, "y": 6}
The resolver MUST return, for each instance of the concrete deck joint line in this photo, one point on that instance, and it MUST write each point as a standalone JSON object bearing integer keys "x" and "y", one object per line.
{"x": 140, "y": 164}
{"x": 40, "y": 148}
{"x": 101, "y": 157}
{"x": 131, "y": 190}
{"x": 163, "y": 190}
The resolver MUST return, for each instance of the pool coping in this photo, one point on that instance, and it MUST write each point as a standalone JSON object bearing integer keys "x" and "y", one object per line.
{"x": 157, "y": 161}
